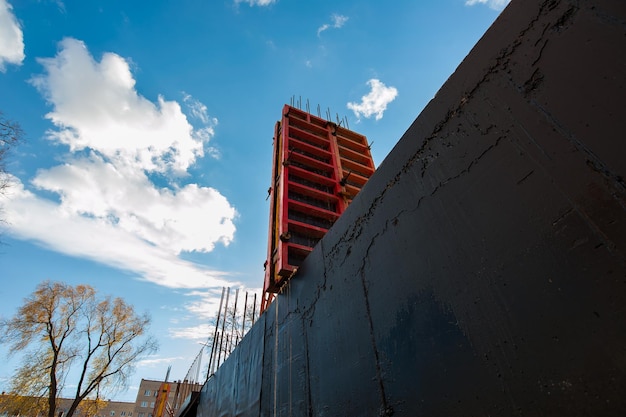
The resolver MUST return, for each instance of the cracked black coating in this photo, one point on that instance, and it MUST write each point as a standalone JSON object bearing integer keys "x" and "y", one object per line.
{"x": 482, "y": 269}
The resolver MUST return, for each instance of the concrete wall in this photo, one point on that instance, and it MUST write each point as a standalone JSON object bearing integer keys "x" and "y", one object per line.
{"x": 481, "y": 271}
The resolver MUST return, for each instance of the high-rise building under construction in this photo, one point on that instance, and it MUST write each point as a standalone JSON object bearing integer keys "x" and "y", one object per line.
{"x": 319, "y": 167}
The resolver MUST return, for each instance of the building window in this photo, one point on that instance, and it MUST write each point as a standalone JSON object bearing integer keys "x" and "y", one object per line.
{"x": 112, "y": 412}
{"x": 147, "y": 393}
{"x": 144, "y": 404}
{"x": 130, "y": 414}
{"x": 140, "y": 415}
{"x": 152, "y": 404}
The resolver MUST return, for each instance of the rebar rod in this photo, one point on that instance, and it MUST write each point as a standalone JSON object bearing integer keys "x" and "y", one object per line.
{"x": 219, "y": 311}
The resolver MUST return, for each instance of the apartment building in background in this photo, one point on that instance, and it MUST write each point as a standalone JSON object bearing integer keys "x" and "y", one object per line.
{"x": 177, "y": 393}
{"x": 144, "y": 405}
{"x": 105, "y": 409}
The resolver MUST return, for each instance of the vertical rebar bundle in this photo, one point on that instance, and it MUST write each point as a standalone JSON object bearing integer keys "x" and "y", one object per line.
{"x": 228, "y": 332}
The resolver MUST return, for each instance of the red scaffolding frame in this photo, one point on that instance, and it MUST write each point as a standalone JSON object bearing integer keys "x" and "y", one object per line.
{"x": 318, "y": 169}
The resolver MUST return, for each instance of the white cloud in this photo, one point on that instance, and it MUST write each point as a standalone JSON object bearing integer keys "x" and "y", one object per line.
{"x": 11, "y": 37}
{"x": 205, "y": 304}
{"x": 337, "y": 21}
{"x": 96, "y": 106}
{"x": 152, "y": 361}
{"x": 256, "y": 2}
{"x": 100, "y": 239}
{"x": 189, "y": 218}
{"x": 375, "y": 102}
{"x": 107, "y": 208}
{"x": 200, "y": 332}
{"x": 198, "y": 110}
{"x": 494, "y": 4}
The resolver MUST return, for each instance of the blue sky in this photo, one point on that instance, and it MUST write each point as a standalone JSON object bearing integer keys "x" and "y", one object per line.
{"x": 149, "y": 126}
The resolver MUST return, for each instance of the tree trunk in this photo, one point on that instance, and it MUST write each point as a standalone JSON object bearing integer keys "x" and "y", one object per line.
{"x": 73, "y": 407}
{"x": 52, "y": 393}
{"x": 52, "y": 402}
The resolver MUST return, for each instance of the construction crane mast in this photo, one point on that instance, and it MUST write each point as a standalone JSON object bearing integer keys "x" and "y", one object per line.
{"x": 161, "y": 406}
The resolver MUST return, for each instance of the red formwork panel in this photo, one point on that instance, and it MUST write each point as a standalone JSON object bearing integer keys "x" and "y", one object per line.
{"x": 318, "y": 168}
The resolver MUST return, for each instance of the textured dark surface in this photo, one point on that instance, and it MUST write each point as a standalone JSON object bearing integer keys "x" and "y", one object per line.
{"x": 481, "y": 271}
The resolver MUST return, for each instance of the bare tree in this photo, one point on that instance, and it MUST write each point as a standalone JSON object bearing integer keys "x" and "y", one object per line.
{"x": 69, "y": 332}
{"x": 10, "y": 134}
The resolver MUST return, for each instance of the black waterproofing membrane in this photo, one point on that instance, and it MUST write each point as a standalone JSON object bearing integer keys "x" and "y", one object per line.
{"x": 481, "y": 271}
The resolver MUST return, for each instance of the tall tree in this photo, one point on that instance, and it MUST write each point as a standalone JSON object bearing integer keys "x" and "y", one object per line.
{"x": 67, "y": 332}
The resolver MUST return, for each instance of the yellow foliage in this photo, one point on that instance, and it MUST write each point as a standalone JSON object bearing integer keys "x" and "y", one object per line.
{"x": 61, "y": 326}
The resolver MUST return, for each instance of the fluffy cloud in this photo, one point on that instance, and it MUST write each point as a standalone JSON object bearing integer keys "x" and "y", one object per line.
{"x": 198, "y": 333}
{"x": 99, "y": 238}
{"x": 96, "y": 106}
{"x": 205, "y": 305}
{"x": 106, "y": 206}
{"x": 153, "y": 361}
{"x": 494, "y": 4}
{"x": 11, "y": 37}
{"x": 256, "y": 2}
{"x": 189, "y": 218}
{"x": 375, "y": 102}
{"x": 198, "y": 110}
{"x": 337, "y": 21}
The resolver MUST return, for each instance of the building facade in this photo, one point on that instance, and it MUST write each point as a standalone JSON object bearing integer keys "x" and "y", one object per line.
{"x": 144, "y": 405}
{"x": 146, "y": 397}
{"x": 12, "y": 406}
{"x": 176, "y": 392}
